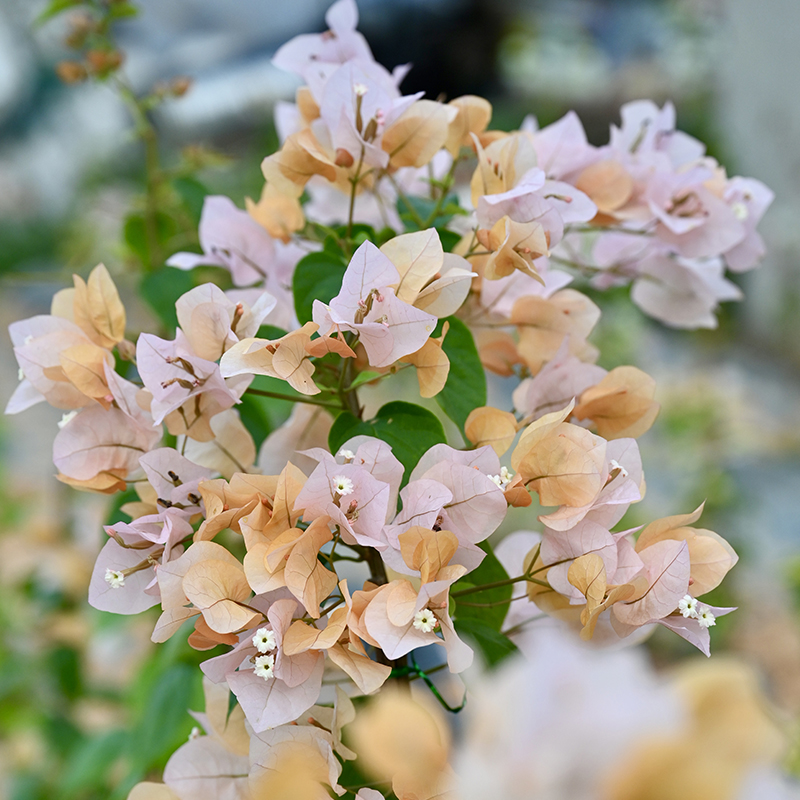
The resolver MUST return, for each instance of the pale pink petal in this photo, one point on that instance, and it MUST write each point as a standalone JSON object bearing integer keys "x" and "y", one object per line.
{"x": 204, "y": 769}
{"x": 667, "y": 568}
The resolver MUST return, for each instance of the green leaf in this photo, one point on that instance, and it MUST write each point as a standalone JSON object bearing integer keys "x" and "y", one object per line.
{"x": 493, "y": 645}
{"x": 466, "y": 382}
{"x": 270, "y": 332}
{"x": 416, "y": 210}
{"x": 53, "y": 9}
{"x": 318, "y": 276}
{"x": 192, "y": 194}
{"x": 114, "y": 512}
{"x": 161, "y": 289}
{"x": 409, "y": 429}
{"x": 364, "y": 377}
{"x": 165, "y": 723}
{"x": 449, "y": 239}
{"x": 255, "y": 417}
{"x": 91, "y": 762}
{"x": 135, "y": 234}
{"x": 120, "y": 10}
{"x": 484, "y": 610}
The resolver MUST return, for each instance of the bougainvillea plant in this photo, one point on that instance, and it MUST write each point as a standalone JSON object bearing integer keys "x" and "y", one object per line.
{"x": 394, "y": 234}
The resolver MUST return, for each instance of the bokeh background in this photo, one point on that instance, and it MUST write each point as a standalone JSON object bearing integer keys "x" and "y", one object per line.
{"x": 87, "y": 704}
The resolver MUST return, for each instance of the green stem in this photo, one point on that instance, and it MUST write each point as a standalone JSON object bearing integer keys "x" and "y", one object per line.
{"x": 498, "y": 585}
{"x": 445, "y": 188}
{"x": 295, "y": 399}
{"x": 411, "y": 210}
{"x": 353, "y": 189}
{"x": 146, "y": 131}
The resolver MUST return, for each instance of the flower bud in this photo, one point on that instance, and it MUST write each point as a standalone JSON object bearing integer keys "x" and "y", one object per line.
{"x": 71, "y": 71}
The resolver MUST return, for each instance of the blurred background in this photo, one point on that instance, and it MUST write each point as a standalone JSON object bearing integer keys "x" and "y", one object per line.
{"x": 78, "y": 687}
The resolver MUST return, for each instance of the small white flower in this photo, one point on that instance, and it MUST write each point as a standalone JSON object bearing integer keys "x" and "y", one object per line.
{"x": 616, "y": 465}
{"x": 264, "y": 640}
{"x": 20, "y": 374}
{"x": 114, "y": 578}
{"x": 360, "y": 89}
{"x": 28, "y": 339}
{"x": 687, "y": 605}
{"x": 342, "y": 485}
{"x": 425, "y": 620}
{"x": 67, "y": 418}
{"x": 503, "y": 479}
{"x": 194, "y": 733}
{"x": 347, "y": 455}
{"x": 264, "y": 665}
{"x": 705, "y": 617}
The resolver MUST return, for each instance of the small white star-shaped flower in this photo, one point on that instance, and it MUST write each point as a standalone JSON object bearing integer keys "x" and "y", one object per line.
{"x": 342, "y": 485}
{"x": 425, "y": 620}
{"x": 264, "y": 640}
{"x": 264, "y": 665}
{"x": 687, "y": 605}
{"x": 114, "y": 578}
{"x": 347, "y": 455}
{"x": 705, "y": 617}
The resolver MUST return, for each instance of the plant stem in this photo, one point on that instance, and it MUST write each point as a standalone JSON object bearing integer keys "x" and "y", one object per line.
{"x": 146, "y": 131}
{"x": 353, "y": 189}
{"x": 445, "y": 188}
{"x": 295, "y": 399}
{"x": 498, "y": 585}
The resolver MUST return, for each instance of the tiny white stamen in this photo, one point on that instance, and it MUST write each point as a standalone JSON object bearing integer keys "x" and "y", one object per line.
{"x": 360, "y": 89}
{"x": 503, "y": 479}
{"x": 687, "y": 605}
{"x": 264, "y": 665}
{"x": 705, "y": 617}
{"x": 342, "y": 485}
{"x": 264, "y": 640}
{"x": 425, "y": 621}
{"x": 348, "y": 456}
{"x": 616, "y": 465}
{"x": 114, "y": 578}
{"x": 740, "y": 211}
{"x": 67, "y": 418}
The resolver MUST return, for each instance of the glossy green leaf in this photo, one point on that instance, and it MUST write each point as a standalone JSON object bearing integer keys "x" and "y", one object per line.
{"x": 410, "y": 430}
{"x": 493, "y": 645}
{"x": 318, "y": 276}
{"x": 364, "y": 377}
{"x": 465, "y": 389}
{"x": 491, "y": 605}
